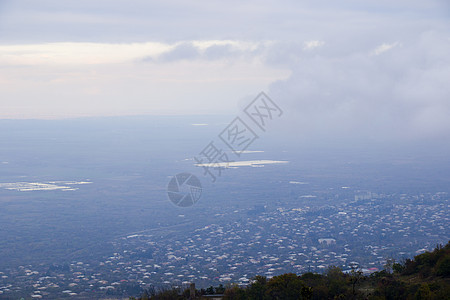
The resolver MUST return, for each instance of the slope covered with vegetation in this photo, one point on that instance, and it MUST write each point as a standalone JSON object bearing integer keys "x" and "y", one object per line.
{"x": 426, "y": 276}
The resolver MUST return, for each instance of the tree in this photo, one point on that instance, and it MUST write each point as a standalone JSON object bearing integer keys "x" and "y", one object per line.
{"x": 398, "y": 268}
{"x": 210, "y": 290}
{"x": 356, "y": 275}
{"x": 423, "y": 292}
{"x": 443, "y": 267}
{"x": 307, "y": 292}
{"x": 220, "y": 289}
{"x": 235, "y": 293}
{"x": 287, "y": 287}
{"x": 336, "y": 281}
{"x": 389, "y": 264}
{"x": 257, "y": 289}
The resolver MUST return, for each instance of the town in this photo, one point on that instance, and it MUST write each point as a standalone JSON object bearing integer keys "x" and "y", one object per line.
{"x": 365, "y": 233}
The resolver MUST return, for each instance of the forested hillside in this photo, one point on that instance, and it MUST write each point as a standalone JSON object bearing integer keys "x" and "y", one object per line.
{"x": 426, "y": 276}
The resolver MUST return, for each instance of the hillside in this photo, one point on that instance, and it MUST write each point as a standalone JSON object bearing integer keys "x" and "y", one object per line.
{"x": 426, "y": 276}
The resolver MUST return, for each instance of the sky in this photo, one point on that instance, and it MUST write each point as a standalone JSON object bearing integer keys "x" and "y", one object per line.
{"x": 372, "y": 69}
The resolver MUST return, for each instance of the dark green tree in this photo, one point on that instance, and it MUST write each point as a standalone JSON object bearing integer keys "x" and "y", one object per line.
{"x": 257, "y": 290}
{"x": 285, "y": 287}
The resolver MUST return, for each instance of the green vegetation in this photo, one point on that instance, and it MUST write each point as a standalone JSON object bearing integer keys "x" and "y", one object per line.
{"x": 427, "y": 276}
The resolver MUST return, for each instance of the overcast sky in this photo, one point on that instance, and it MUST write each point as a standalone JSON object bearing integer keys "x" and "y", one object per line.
{"x": 368, "y": 67}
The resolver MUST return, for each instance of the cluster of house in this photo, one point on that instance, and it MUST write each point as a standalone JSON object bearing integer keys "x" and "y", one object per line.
{"x": 361, "y": 234}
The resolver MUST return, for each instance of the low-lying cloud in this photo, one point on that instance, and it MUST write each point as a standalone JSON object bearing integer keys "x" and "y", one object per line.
{"x": 394, "y": 91}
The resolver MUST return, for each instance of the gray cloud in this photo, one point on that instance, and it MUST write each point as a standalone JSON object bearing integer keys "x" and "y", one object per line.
{"x": 400, "y": 94}
{"x": 376, "y": 70}
{"x": 184, "y": 51}
{"x": 220, "y": 51}
{"x": 224, "y": 50}
{"x": 176, "y": 20}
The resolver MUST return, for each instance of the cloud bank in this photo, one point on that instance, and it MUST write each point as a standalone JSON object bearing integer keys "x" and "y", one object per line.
{"x": 394, "y": 91}
{"x": 376, "y": 70}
